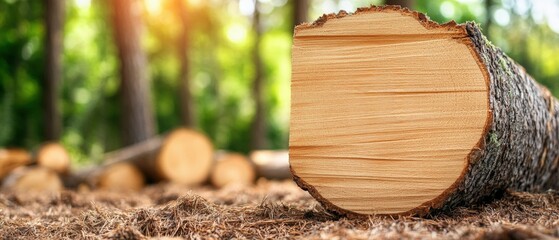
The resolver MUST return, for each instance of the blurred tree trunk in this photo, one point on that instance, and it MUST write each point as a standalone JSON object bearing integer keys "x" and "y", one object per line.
{"x": 488, "y": 18}
{"x": 138, "y": 122}
{"x": 186, "y": 104}
{"x": 300, "y": 11}
{"x": 404, "y": 3}
{"x": 54, "y": 21}
{"x": 258, "y": 128}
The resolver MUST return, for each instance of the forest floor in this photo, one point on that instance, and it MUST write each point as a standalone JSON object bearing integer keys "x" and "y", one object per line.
{"x": 267, "y": 210}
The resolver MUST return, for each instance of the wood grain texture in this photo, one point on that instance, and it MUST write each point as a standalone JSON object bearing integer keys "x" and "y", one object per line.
{"x": 382, "y": 115}
{"x": 395, "y": 114}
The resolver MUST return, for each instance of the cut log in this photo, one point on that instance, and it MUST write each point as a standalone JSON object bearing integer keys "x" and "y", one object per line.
{"x": 116, "y": 176}
{"x": 395, "y": 114}
{"x": 78, "y": 177}
{"x": 183, "y": 156}
{"x": 232, "y": 168}
{"x": 11, "y": 159}
{"x": 33, "y": 178}
{"x": 271, "y": 164}
{"x": 54, "y": 156}
{"x": 120, "y": 177}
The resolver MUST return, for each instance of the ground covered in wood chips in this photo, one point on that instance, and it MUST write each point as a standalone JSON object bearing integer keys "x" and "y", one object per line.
{"x": 269, "y": 210}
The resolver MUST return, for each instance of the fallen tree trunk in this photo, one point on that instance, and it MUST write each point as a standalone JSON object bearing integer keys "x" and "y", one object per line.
{"x": 118, "y": 176}
{"x": 183, "y": 156}
{"x": 395, "y": 114}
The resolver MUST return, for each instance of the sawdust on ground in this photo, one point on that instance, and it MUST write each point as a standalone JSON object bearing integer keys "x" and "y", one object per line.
{"x": 273, "y": 210}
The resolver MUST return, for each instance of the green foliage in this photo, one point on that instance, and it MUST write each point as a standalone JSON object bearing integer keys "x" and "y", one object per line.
{"x": 21, "y": 61}
{"x": 221, "y": 71}
{"x": 459, "y": 11}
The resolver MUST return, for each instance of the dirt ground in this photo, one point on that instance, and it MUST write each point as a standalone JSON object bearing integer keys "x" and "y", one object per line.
{"x": 275, "y": 210}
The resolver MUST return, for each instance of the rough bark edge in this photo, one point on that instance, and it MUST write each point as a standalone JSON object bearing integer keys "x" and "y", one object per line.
{"x": 420, "y": 17}
{"x": 521, "y": 149}
{"x": 439, "y": 201}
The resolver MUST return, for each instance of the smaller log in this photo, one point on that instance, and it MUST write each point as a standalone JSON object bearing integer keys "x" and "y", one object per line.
{"x": 11, "y": 159}
{"x": 232, "y": 168}
{"x": 53, "y": 156}
{"x": 271, "y": 164}
{"x": 120, "y": 177}
{"x": 33, "y": 178}
{"x": 81, "y": 178}
{"x": 116, "y": 176}
{"x": 183, "y": 156}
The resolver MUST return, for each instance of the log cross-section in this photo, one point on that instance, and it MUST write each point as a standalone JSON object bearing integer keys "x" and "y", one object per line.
{"x": 395, "y": 114}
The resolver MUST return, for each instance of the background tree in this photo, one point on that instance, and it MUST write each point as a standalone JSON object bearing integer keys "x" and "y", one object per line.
{"x": 221, "y": 67}
{"x": 188, "y": 115}
{"x": 54, "y": 22}
{"x": 300, "y": 11}
{"x": 258, "y": 128}
{"x": 137, "y": 117}
{"x": 488, "y": 16}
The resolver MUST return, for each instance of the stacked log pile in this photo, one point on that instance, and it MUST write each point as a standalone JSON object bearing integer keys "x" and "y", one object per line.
{"x": 183, "y": 156}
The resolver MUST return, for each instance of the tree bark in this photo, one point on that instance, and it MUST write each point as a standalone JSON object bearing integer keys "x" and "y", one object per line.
{"x": 138, "y": 122}
{"x": 521, "y": 147}
{"x": 54, "y": 21}
{"x": 258, "y": 128}
{"x": 188, "y": 115}
{"x": 518, "y": 147}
